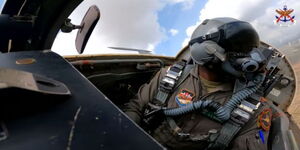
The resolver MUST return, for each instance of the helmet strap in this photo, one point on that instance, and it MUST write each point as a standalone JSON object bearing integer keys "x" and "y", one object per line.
{"x": 215, "y": 35}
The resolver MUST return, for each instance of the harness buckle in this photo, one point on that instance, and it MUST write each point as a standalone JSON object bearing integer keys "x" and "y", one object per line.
{"x": 240, "y": 116}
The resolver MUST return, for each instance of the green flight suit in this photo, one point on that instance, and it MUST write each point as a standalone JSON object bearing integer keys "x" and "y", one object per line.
{"x": 195, "y": 124}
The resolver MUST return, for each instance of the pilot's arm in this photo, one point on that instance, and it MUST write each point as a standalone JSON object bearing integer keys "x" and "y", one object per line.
{"x": 136, "y": 106}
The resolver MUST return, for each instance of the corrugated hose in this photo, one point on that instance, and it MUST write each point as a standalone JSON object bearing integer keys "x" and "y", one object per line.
{"x": 221, "y": 113}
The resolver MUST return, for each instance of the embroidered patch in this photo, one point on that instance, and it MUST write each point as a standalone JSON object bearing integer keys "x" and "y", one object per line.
{"x": 184, "y": 97}
{"x": 264, "y": 119}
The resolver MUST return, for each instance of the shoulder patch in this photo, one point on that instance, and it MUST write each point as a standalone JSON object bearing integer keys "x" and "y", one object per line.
{"x": 264, "y": 119}
{"x": 184, "y": 97}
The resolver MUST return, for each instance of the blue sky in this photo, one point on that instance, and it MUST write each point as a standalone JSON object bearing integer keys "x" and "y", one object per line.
{"x": 1, "y": 3}
{"x": 175, "y": 17}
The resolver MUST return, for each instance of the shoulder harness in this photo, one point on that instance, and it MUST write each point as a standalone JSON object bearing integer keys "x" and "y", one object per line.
{"x": 174, "y": 76}
{"x": 238, "y": 118}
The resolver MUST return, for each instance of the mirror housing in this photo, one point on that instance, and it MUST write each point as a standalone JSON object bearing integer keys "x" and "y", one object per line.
{"x": 88, "y": 24}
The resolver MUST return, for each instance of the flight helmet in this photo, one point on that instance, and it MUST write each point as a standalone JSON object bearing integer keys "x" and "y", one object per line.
{"x": 215, "y": 37}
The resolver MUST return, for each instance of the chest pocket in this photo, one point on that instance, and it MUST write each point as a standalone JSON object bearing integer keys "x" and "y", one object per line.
{"x": 198, "y": 126}
{"x": 220, "y": 96}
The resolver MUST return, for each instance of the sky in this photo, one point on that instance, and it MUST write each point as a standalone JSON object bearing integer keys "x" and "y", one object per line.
{"x": 165, "y": 26}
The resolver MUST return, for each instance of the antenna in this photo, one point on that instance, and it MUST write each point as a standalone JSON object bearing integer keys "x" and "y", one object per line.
{"x": 140, "y": 51}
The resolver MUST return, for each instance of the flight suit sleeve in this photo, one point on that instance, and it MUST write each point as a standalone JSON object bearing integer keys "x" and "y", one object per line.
{"x": 136, "y": 106}
{"x": 251, "y": 136}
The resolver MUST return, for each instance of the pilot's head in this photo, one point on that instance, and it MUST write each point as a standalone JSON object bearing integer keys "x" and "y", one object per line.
{"x": 226, "y": 43}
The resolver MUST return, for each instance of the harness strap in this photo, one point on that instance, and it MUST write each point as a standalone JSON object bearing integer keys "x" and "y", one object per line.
{"x": 184, "y": 75}
{"x": 168, "y": 83}
{"x": 228, "y": 131}
{"x": 239, "y": 117}
{"x": 166, "y": 86}
{"x": 175, "y": 128}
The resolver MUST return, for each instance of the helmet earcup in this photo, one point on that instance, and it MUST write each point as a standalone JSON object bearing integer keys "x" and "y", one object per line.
{"x": 207, "y": 51}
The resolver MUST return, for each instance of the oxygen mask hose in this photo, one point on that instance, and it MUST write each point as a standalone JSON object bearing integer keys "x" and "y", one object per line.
{"x": 222, "y": 113}
{"x": 190, "y": 108}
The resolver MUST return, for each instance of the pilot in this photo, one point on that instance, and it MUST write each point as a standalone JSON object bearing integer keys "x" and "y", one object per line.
{"x": 193, "y": 104}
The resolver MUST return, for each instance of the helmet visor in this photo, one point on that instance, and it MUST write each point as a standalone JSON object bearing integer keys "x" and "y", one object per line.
{"x": 238, "y": 37}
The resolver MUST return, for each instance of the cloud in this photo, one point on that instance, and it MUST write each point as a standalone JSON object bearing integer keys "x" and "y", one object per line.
{"x": 173, "y": 32}
{"x": 260, "y": 13}
{"x": 189, "y": 32}
{"x": 187, "y": 4}
{"x": 125, "y": 23}
{"x": 122, "y": 24}
{"x": 150, "y": 47}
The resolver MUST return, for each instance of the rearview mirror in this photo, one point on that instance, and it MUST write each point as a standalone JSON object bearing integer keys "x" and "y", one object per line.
{"x": 87, "y": 26}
